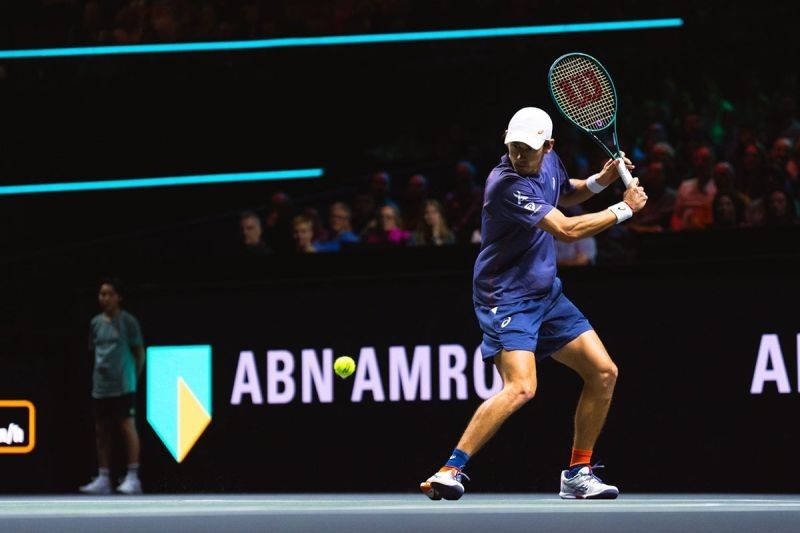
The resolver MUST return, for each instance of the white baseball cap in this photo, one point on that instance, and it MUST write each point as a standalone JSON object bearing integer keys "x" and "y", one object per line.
{"x": 530, "y": 125}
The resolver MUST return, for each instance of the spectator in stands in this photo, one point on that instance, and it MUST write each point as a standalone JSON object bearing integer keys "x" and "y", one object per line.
{"x": 780, "y": 163}
{"x": 462, "y": 204}
{"x": 693, "y": 136}
{"x": 751, "y": 168}
{"x": 693, "y": 203}
{"x": 252, "y": 241}
{"x": 656, "y": 214}
{"x": 341, "y": 232}
{"x": 363, "y": 213}
{"x": 319, "y": 230}
{"x": 367, "y": 202}
{"x": 433, "y": 231}
{"x": 724, "y": 176}
{"x": 663, "y": 152}
{"x": 387, "y": 230}
{"x": 582, "y": 252}
{"x": 380, "y": 189}
{"x": 655, "y": 133}
{"x": 779, "y": 209}
{"x": 414, "y": 201}
{"x": 728, "y": 210}
{"x": 278, "y": 223}
{"x": 303, "y": 234}
{"x": 754, "y": 214}
{"x": 115, "y": 339}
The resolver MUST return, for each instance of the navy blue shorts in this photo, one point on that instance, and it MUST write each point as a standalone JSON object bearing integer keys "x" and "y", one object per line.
{"x": 542, "y": 325}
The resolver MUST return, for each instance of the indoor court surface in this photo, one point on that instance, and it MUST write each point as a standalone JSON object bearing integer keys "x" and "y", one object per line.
{"x": 386, "y": 513}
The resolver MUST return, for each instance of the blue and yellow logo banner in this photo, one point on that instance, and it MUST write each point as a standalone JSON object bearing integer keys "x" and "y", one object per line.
{"x": 179, "y": 395}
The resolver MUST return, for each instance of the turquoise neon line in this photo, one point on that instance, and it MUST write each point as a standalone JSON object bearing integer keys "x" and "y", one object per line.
{"x": 101, "y": 185}
{"x": 335, "y": 40}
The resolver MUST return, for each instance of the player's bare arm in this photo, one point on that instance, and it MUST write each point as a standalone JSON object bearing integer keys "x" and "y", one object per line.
{"x": 583, "y": 189}
{"x": 570, "y": 229}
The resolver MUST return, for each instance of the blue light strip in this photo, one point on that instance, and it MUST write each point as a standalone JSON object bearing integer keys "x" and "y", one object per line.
{"x": 161, "y": 182}
{"x": 343, "y": 39}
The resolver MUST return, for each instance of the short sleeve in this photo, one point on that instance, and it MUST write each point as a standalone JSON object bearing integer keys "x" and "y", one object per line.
{"x": 519, "y": 200}
{"x": 134, "y": 332}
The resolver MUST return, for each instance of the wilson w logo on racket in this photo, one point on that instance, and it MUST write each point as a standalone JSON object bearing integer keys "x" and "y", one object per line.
{"x": 585, "y": 95}
{"x": 581, "y": 89}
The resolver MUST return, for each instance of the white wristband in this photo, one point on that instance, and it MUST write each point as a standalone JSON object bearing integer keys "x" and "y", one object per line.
{"x": 622, "y": 211}
{"x": 592, "y": 185}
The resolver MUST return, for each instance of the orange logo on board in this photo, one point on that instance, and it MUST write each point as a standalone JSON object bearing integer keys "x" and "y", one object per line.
{"x": 17, "y": 426}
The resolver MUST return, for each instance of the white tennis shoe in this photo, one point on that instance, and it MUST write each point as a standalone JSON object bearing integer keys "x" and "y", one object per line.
{"x": 446, "y": 483}
{"x": 130, "y": 485}
{"x": 584, "y": 485}
{"x": 100, "y": 485}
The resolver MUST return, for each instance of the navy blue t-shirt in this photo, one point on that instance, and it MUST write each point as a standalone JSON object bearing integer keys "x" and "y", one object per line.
{"x": 517, "y": 260}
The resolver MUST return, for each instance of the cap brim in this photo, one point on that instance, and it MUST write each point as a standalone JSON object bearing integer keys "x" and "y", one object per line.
{"x": 533, "y": 141}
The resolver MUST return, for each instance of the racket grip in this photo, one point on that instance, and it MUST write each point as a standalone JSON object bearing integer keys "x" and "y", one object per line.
{"x": 627, "y": 179}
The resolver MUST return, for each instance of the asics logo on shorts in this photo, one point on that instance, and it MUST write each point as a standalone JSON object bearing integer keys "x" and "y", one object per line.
{"x": 505, "y": 322}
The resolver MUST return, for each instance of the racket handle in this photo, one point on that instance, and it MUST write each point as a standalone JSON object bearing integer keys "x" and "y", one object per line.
{"x": 627, "y": 179}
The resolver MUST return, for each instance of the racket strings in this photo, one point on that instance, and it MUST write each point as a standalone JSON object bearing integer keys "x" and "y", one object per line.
{"x": 584, "y": 92}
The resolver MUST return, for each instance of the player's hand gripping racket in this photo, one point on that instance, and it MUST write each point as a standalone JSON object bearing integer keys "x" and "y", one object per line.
{"x": 584, "y": 93}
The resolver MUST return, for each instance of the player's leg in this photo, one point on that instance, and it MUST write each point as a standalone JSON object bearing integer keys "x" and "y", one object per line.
{"x": 102, "y": 431}
{"x": 587, "y": 356}
{"x": 518, "y": 370}
{"x": 130, "y": 438}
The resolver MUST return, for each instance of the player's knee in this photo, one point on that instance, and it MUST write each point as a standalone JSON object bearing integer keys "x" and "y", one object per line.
{"x": 607, "y": 377}
{"x": 523, "y": 391}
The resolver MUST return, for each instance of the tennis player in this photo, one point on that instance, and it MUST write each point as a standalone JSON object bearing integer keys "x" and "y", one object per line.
{"x": 521, "y": 307}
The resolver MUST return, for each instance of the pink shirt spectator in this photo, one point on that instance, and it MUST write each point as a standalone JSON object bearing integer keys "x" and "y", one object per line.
{"x": 393, "y": 236}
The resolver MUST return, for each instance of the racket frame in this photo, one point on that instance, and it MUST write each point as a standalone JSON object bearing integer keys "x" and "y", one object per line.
{"x": 616, "y": 155}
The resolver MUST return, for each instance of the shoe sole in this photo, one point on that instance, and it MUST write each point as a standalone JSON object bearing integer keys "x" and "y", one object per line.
{"x": 606, "y": 495}
{"x": 429, "y": 491}
{"x": 447, "y": 492}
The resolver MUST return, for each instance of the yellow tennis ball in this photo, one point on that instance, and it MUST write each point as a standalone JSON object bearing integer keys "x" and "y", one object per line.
{"x": 344, "y": 366}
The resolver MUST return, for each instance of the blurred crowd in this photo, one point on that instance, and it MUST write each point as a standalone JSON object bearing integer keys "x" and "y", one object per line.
{"x": 379, "y": 214}
{"x": 710, "y": 166}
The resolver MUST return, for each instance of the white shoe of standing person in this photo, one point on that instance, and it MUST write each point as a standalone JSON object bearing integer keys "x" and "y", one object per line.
{"x": 100, "y": 485}
{"x": 130, "y": 485}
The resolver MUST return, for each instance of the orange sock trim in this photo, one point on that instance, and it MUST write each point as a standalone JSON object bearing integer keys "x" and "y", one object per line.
{"x": 580, "y": 457}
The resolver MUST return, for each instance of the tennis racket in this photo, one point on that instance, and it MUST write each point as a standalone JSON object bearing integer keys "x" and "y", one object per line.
{"x": 585, "y": 95}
